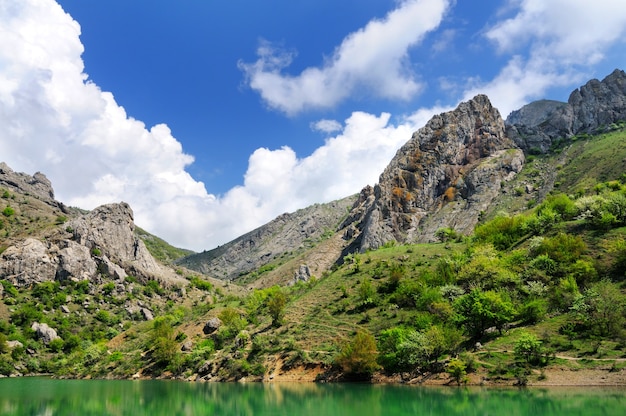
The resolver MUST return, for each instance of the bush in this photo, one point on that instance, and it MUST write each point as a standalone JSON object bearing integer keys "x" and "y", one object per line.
{"x": 358, "y": 357}
{"x": 456, "y": 369}
{"x": 528, "y": 349}
{"x": 502, "y": 231}
{"x": 477, "y": 311}
{"x": 533, "y": 311}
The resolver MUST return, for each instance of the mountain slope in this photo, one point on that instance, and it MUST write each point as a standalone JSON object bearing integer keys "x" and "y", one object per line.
{"x": 274, "y": 243}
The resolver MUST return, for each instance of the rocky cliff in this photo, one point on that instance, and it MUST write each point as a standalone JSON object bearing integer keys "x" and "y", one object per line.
{"x": 590, "y": 109}
{"x": 445, "y": 176}
{"x": 93, "y": 246}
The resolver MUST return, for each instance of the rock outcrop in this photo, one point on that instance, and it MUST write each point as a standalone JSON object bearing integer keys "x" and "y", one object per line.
{"x": 448, "y": 173}
{"x": 37, "y": 185}
{"x": 590, "y": 109}
{"x": 100, "y": 244}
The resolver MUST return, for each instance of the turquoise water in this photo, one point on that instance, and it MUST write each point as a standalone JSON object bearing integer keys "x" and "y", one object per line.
{"x": 42, "y": 396}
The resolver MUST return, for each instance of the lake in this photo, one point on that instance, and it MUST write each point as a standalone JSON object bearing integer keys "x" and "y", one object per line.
{"x": 43, "y": 396}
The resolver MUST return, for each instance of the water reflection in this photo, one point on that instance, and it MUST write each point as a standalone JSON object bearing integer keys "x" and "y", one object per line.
{"x": 40, "y": 396}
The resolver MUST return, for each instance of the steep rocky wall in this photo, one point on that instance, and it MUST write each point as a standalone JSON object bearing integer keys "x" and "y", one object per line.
{"x": 590, "y": 108}
{"x": 448, "y": 172}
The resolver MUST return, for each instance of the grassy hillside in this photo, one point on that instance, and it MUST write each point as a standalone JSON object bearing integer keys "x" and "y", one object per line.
{"x": 538, "y": 287}
{"x": 159, "y": 248}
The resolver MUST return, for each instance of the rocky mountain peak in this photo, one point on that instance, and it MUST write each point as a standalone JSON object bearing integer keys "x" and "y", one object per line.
{"x": 37, "y": 185}
{"x": 589, "y": 109}
{"x": 444, "y": 176}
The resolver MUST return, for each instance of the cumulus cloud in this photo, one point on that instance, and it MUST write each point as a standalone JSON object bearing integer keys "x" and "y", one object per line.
{"x": 374, "y": 57}
{"x": 551, "y": 43}
{"x": 57, "y": 121}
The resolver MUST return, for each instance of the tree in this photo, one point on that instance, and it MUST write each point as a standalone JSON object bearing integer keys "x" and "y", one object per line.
{"x": 163, "y": 341}
{"x": 457, "y": 370}
{"x": 358, "y": 357}
{"x": 276, "y": 303}
{"x": 477, "y": 311}
{"x": 528, "y": 348}
{"x": 601, "y": 308}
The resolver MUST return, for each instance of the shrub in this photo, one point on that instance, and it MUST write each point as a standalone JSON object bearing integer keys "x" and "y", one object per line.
{"x": 528, "y": 348}
{"x": 276, "y": 303}
{"x": 533, "y": 311}
{"x": 358, "y": 357}
{"x": 502, "y": 231}
{"x": 457, "y": 370}
{"x": 8, "y": 211}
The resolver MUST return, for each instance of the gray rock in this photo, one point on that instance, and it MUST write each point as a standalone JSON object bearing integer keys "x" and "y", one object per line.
{"x": 44, "y": 332}
{"x": 75, "y": 261}
{"x": 27, "y": 262}
{"x": 37, "y": 185}
{"x": 448, "y": 173}
{"x": 14, "y": 344}
{"x": 147, "y": 314}
{"x": 65, "y": 309}
{"x": 303, "y": 274}
{"x": 109, "y": 229}
{"x": 589, "y": 109}
{"x": 187, "y": 346}
{"x": 212, "y": 325}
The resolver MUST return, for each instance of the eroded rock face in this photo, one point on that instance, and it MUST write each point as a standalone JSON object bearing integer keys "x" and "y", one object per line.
{"x": 448, "y": 172}
{"x": 28, "y": 262}
{"x": 101, "y": 244}
{"x": 37, "y": 185}
{"x": 590, "y": 108}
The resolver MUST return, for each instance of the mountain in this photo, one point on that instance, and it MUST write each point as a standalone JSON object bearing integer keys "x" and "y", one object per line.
{"x": 444, "y": 177}
{"x": 490, "y": 250}
{"x": 275, "y": 243}
{"x": 590, "y": 109}
{"x": 79, "y": 246}
{"x": 450, "y": 174}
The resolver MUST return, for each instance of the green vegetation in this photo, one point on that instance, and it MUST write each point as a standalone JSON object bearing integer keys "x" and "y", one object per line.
{"x": 159, "y": 248}
{"x": 534, "y": 286}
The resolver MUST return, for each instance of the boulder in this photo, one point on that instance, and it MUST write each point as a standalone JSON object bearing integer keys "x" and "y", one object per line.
{"x": 44, "y": 332}
{"x": 147, "y": 314}
{"x": 14, "y": 344}
{"x": 303, "y": 274}
{"x": 212, "y": 325}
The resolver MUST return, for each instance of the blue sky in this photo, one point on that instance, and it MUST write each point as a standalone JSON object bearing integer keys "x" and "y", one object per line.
{"x": 213, "y": 117}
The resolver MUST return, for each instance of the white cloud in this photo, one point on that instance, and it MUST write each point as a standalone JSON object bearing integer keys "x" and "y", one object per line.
{"x": 326, "y": 126}
{"x": 374, "y": 57}
{"x": 56, "y": 121}
{"x": 551, "y": 43}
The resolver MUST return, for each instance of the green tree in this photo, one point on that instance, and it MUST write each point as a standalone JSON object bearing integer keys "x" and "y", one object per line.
{"x": 601, "y": 308}
{"x": 477, "y": 311}
{"x": 389, "y": 342}
{"x": 276, "y": 303}
{"x": 163, "y": 341}
{"x": 358, "y": 357}
{"x": 457, "y": 370}
{"x": 528, "y": 349}
{"x": 366, "y": 292}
